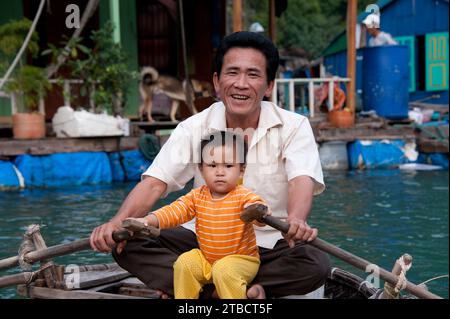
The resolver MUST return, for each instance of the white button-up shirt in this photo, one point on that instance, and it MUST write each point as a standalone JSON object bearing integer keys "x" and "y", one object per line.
{"x": 281, "y": 148}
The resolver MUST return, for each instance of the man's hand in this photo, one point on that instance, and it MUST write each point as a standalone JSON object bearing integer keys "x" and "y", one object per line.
{"x": 101, "y": 237}
{"x": 299, "y": 230}
{"x": 268, "y": 212}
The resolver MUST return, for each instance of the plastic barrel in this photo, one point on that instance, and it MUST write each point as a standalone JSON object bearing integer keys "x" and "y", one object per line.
{"x": 386, "y": 80}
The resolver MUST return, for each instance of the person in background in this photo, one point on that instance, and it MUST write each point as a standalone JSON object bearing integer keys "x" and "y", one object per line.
{"x": 378, "y": 37}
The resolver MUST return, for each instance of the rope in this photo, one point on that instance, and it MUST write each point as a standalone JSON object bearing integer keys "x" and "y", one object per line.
{"x": 402, "y": 281}
{"x": 35, "y": 274}
{"x": 24, "y": 45}
{"x": 27, "y": 246}
{"x": 434, "y": 278}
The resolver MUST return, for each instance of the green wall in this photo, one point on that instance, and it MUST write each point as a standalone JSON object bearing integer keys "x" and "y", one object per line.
{"x": 128, "y": 40}
{"x": 9, "y": 10}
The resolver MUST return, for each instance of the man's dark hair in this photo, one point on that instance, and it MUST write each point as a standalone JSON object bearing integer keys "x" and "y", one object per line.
{"x": 246, "y": 39}
{"x": 222, "y": 138}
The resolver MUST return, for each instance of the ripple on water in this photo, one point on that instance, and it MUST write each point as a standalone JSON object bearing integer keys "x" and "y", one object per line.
{"x": 383, "y": 205}
{"x": 439, "y": 235}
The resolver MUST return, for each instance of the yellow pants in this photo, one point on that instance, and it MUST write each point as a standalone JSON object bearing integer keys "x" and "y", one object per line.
{"x": 230, "y": 275}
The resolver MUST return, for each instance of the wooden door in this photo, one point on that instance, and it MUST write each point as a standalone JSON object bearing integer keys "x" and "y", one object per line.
{"x": 157, "y": 35}
{"x": 436, "y": 61}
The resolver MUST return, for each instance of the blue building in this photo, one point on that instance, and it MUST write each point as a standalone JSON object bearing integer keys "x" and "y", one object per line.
{"x": 423, "y": 26}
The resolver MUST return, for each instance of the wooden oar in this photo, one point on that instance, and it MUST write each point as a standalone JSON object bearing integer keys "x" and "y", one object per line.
{"x": 256, "y": 212}
{"x": 78, "y": 245}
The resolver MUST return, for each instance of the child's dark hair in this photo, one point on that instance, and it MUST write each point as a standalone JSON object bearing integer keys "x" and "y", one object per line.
{"x": 222, "y": 138}
{"x": 246, "y": 39}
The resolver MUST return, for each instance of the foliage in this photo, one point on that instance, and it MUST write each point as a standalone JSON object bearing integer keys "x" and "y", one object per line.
{"x": 32, "y": 82}
{"x": 103, "y": 69}
{"x": 29, "y": 81}
{"x": 306, "y": 24}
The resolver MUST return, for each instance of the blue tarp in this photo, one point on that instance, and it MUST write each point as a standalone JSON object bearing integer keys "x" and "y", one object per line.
{"x": 128, "y": 165}
{"x": 440, "y": 159}
{"x": 118, "y": 174}
{"x": 65, "y": 169}
{"x": 376, "y": 154}
{"x": 8, "y": 176}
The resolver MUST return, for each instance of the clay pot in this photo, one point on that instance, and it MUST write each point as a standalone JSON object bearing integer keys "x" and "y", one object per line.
{"x": 341, "y": 118}
{"x": 28, "y": 125}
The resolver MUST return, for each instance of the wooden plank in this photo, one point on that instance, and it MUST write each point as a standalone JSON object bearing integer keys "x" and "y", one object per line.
{"x": 363, "y": 134}
{"x": 10, "y": 147}
{"x": 133, "y": 282}
{"x": 89, "y": 279}
{"x": 427, "y": 145}
{"x": 48, "y": 293}
{"x": 138, "y": 292}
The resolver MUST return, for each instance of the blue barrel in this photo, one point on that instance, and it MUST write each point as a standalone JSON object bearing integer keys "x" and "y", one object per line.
{"x": 386, "y": 81}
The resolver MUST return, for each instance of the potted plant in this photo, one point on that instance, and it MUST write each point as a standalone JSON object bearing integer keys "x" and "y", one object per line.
{"x": 27, "y": 84}
{"x": 103, "y": 68}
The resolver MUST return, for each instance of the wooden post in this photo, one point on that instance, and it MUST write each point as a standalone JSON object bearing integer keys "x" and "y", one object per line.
{"x": 272, "y": 28}
{"x": 237, "y": 15}
{"x": 351, "y": 53}
{"x": 49, "y": 273}
{"x": 389, "y": 289}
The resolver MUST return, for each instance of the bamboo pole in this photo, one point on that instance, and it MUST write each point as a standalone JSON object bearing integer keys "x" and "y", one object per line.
{"x": 237, "y": 15}
{"x": 351, "y": 53}
{"x": 352, "y": 259}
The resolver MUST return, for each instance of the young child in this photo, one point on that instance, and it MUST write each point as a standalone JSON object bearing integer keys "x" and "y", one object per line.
{"x": 228, "y": 255}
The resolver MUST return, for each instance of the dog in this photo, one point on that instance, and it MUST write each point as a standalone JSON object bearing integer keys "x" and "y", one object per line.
{"x": 153, "y": 83}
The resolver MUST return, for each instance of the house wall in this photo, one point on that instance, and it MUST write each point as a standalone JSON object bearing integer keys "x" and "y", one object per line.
{"x": 128, "y": 39}
{"x": 414, "y": 18}
{"x": 9, "y": 10}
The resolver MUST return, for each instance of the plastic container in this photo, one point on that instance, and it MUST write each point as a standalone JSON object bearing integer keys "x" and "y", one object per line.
{"x": 333, "y": 155}
{"x": 341, "y": 118}
{"x": 386, "y": 80}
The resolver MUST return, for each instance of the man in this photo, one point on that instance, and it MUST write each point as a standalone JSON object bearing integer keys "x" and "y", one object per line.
{"x": 378, "y": 37}
{"x": 283, "y": 167}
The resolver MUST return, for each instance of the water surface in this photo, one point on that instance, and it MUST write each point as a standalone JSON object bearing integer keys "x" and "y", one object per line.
{"x": 377, "y": 215}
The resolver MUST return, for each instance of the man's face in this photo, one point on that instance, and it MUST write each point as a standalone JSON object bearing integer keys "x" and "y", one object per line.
{"x": 243, "y": 81}
{"x": 372, "y": 31}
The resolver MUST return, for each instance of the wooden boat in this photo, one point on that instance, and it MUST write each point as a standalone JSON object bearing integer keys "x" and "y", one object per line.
{"x": 109, "y": 281}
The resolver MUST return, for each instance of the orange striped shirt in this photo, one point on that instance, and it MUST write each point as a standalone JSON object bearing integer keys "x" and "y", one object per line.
{"x": 220, "y": 231}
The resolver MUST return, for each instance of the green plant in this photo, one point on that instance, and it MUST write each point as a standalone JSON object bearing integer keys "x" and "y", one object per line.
{"x": 26, "y": 80}
{"x": 104, "y": 69}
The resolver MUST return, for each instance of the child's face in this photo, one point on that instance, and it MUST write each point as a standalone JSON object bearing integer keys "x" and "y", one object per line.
{"x": 221, "y": 170}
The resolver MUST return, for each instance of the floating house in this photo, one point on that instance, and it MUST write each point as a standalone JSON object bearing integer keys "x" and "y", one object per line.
{"x": 422, "y": 25}
{"x": 148, "y": 30}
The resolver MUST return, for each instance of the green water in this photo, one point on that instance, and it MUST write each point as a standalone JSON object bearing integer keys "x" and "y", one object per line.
{"x": 377, "y": 215}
